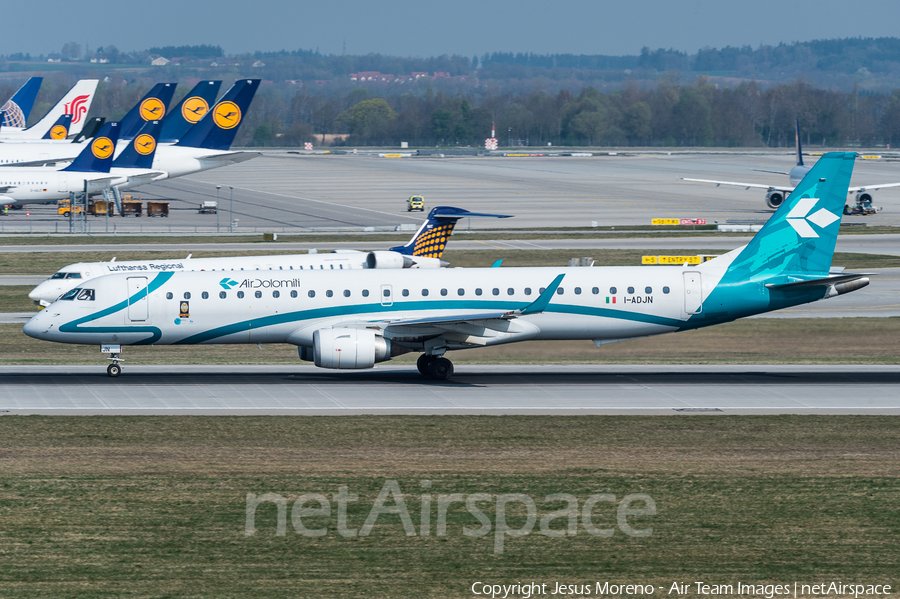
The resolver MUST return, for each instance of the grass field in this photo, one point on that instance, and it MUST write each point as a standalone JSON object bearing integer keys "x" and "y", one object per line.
{"x": 155, "y": 506}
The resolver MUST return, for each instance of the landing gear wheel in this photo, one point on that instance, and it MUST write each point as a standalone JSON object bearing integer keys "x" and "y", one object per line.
{"x": 113, "y": 370}
{"x": 422, "y": 364}
{"x": 440, "y": 369}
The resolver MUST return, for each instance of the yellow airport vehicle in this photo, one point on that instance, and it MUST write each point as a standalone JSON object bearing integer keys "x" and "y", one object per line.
{"x": 415, "y": 203}
{"x": 64, "y": 208}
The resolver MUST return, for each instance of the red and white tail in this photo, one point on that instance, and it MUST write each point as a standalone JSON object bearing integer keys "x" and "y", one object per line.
{"x": 76, "y": 102}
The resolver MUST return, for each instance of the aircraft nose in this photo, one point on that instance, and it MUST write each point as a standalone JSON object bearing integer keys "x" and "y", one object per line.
{"x": 35, "y": 327}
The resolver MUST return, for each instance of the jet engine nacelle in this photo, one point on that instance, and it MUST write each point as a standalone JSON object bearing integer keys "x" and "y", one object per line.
{"x": 774, "y": 199}
{"x": 864, "y": 197}
{"x": 349, "y": 348}
{"x": 388, "y": 260}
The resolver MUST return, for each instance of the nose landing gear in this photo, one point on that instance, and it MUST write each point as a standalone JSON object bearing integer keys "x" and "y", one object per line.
{"x": 438, "y": 368}
{"x": 114, "y": 369}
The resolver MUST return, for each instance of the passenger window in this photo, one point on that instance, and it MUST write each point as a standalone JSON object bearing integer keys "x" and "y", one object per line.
{"x": 187, "y": 295}
{"x": 405, "y": 292}
{"x": 346, "y": 293}
{"x": 495, "y": 291}
{"x": 460, "y": 291}
{"x": 240, "y": 295}
{"x": 665, "y": 290}
{"x": 204, "y": 295}
{"x": 258, "y": 294}
{"x": 294, "y": 293}
{"x": 631, "y": 290}
{"x": 648, "y": 290}
{"x": 443, "y": 292}
{"x": 329, "y": 293}
{"x": 424, "y": 293}
{"x": 222, "y": 295}
{"x": 86, "y": 295}
{"x": 169, "y": 295}
{"x": 510, "y": 291}
{"x": 612, "y": 290}
{"x": 365, "y": 293}
{"x": 560, "y": 291}
{"x": 578, "y": 291}
{"x": 541, "y": 290}
{"x": 478, "y": 291}
{"x": 595, "y": 290}
{"x": 311, "y": 293}
{"x": 386, "y": 292}
{"x": 528, "y": 291}
{"x": 276, "y": 294}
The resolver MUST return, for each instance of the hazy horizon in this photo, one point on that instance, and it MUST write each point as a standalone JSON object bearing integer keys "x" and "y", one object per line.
{"x": 464, "y": 27}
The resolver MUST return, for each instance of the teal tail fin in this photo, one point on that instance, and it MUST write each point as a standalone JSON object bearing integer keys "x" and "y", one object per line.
{"x": 800, "y": 237}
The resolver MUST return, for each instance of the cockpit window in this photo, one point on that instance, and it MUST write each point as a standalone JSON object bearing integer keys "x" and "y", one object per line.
{"x": 59, "y": 275}
{"x": 70, "y": 294}
{"x": 86, "y": 295}
{"x": 73, "y": 275}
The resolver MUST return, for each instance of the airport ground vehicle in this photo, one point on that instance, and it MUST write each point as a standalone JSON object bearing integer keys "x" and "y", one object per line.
{"x": 415, "y": 203}
{"x": 208, "y": 207}
{"x": 64, "y": 208}
{"x": 157, "y": 208}
{"x": 132, "y": 206}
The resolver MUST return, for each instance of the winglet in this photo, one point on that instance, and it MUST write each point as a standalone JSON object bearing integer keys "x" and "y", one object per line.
{"x": 540, "y": 304}
{"x": 497, "y": 263}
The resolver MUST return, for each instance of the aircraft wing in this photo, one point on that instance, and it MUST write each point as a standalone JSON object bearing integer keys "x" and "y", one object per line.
{"x": 6, "y": 188}
{"x": 784, "y": 188}
{"x": 868, "y": 187}
{"x": 229, "y": 157}
{"x": 762, "y": 170}
{"x": 143, "y": 178}
{"x": 41, "y": 162}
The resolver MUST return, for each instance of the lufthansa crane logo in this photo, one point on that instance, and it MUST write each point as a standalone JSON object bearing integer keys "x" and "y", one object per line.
{"x": 144, "y": 144}
{"x": 152, "y": 109}
{"x": 102, "y": 147}
{"x": 227, "y": 115}
{"x": 194, "y": 108}
{"x": 800, "y": 218}
{"x": 58, "y": 132}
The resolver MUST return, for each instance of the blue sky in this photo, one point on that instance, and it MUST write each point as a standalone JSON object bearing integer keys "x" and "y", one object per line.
{"x": 427, "y": 28}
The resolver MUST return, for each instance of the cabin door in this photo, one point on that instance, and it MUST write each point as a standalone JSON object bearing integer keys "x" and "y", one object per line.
{"x": 693, "y": 293}
{"x": 138, "y": 301}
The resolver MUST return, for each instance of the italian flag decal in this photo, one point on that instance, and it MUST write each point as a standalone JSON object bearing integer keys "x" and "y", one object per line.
{"x": 610, "y": 302}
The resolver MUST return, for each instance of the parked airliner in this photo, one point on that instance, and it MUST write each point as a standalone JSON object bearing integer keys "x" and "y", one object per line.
{"x": 424, "y": 250}
{"x": 350, "y": 320}
{"x": 76, "y": 102}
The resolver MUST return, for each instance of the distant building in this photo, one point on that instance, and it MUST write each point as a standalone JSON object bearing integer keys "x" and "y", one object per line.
{"x": 417, "y": 74}
{"x": 100, "y": 60}
{"x": 441, "y": 75}
{"x": 258, "y": 64}
{"x": 160, "y": 61}
{"x": 54, "y": 58}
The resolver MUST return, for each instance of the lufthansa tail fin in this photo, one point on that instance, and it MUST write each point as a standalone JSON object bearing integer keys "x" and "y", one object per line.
{"x": 216, "y": 130}
{"x": 152, "y": 107}
{"x": 18, "y": 108}
{"x": 97, "y": 156}
{"x": 799, "y": 238}
{"x": 189, "y": 111}
{"x": 140, "y": 151}
{"x": 431, "y": 238}
{"x": 90, "y": 129}
{"x": 60, "y": 129}
{"x": 76, "y": 102}
{"x": 799, "y": 147}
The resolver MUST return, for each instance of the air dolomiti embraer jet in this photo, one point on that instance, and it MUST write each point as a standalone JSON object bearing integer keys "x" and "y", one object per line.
{"x": 342, "y": 319}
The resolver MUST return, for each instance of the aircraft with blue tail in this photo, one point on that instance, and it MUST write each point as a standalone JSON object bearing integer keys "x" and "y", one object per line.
{"x": 352, "y": 320}
{"x": 189, "y": 111}
{"x": 418, "y": 253}
{"x": 152, "y": 107}
{"x": 77, "y": 102}
{"x": 18, "y": 108}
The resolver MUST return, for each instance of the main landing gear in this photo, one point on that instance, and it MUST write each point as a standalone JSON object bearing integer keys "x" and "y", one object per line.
{"x": 114, "y": 369}
{"x": 438, "y": 368}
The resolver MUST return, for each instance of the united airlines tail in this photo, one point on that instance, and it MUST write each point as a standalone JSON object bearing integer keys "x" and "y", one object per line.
{"x": 432, "y": 236}
{"x": 139, "y": 153}
{"x": 97, "y": 156}
{"x": 76, "y": 102}
{"x": 189, "y": 111}
{"x": 18, "y": 108}
{"x": 216, "y": 130}
{"x": 60, "y": 129}
{"x": 152, "y": 107}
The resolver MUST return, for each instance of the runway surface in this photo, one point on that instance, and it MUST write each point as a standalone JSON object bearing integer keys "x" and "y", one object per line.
{"x": 330, "y": 192}
{"x": 526, "y": 389}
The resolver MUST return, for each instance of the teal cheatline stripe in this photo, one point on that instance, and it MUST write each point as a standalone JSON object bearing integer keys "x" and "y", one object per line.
{"x": 75, "y": 326}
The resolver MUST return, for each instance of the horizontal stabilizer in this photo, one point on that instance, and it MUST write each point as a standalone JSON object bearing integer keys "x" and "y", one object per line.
{"x": 835, "y": 280}
{"x": 230, "y": 157}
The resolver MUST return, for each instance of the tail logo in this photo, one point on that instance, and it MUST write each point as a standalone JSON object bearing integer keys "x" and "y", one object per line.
{"x": 152, "y": 109}
{"x": 12, "y": 115}
{"x": 58, "y": 132}
{"x": 194, "y": 108}
{"x": 226, "y": 115}
{"x": 144, "y": 144}
{"x": 102, "y": 147}
{"x": 77, "y": 108}
{"x": 431, "y": 244}
{"x": 799, "y": 218}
